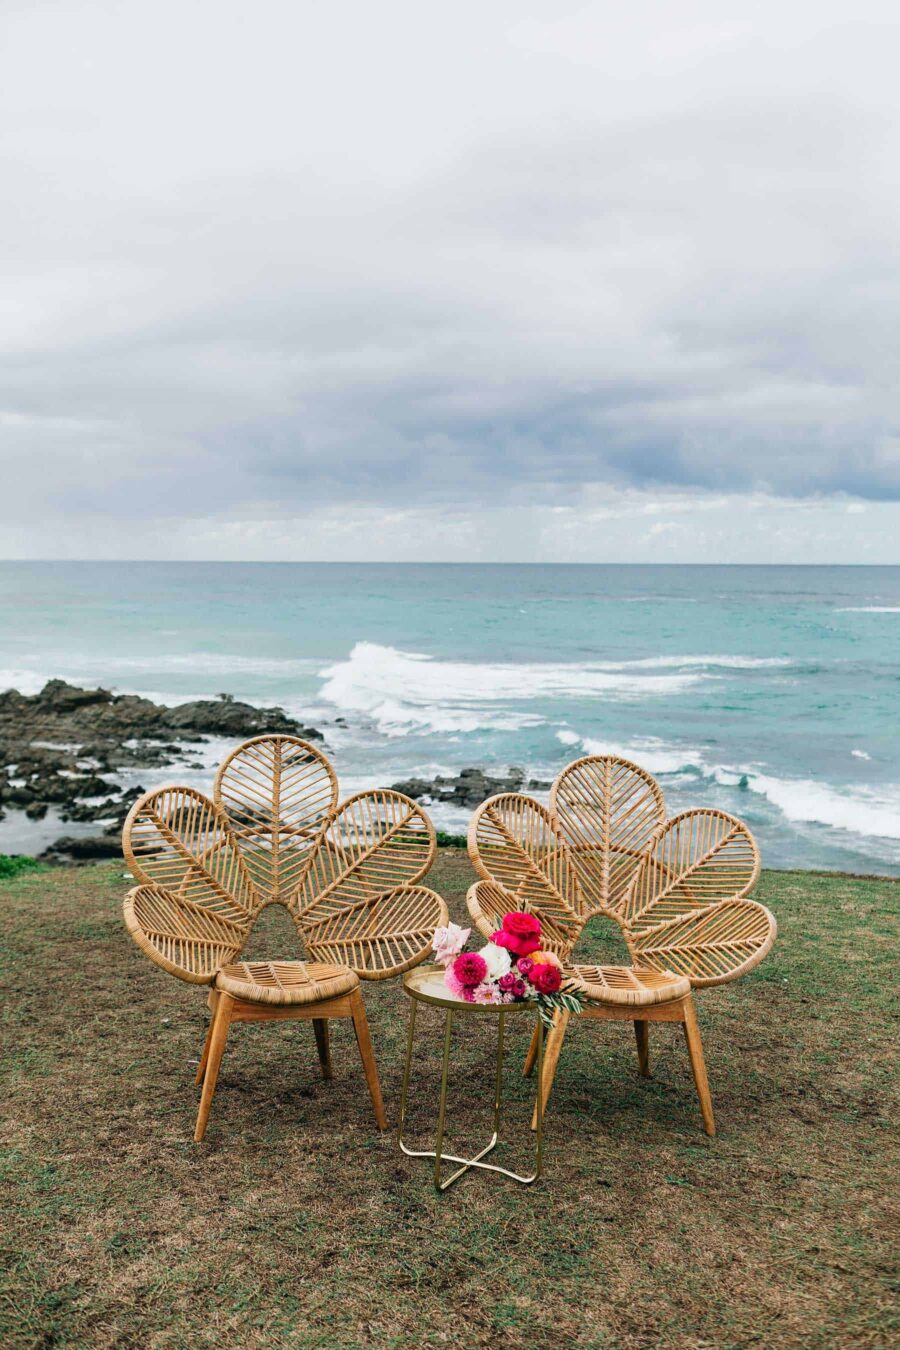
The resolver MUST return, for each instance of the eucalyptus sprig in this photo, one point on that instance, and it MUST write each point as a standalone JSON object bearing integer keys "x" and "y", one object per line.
{"x": 549, "y": 1004}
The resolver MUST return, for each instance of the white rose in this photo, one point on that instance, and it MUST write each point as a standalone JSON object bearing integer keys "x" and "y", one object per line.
{"x": 497, "y": 959}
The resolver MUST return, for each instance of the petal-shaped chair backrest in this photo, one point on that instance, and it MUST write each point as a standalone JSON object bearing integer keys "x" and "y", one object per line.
{"x": 177, "y": 839}
{"x": 711, "y": 945}
{"x": 376, "y": 841}
{"x": 189, "y": 940}
{"x": 277, "y": 792}
{"x": 697, "y": 859}
{"x": 274, "y": 834}
{"x": 607, "y": 810}
{"x": 514, "y": 841}
{"x": 378, "y": 937}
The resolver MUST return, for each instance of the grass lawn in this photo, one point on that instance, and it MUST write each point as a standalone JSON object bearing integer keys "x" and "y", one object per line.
{"x": 297, "y": 1224}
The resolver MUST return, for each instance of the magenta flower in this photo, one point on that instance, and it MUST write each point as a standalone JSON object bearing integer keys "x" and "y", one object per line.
{"x": 519, "y": 946}
{"x": 525, "y": 965}
{"x": 470, "y": 969}
{"x": 520, "y": 933}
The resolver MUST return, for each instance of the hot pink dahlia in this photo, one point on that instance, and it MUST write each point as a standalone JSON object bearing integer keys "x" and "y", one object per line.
{"x": 470, "y": 969}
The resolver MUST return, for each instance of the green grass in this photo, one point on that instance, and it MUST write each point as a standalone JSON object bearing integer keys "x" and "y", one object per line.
{"x": 296, "y": 1224}
{"x": 13, "y": 866}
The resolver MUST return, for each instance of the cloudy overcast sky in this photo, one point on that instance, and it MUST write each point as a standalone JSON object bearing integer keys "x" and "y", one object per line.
{"x": 476, "y": 280}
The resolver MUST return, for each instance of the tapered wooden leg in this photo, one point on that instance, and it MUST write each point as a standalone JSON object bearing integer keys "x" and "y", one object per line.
{"x": 218, "y": 1037}
{"x": 642, "y": 1035}
{"x": 361, "y": 1027}
{"x": 323, "y": 1045}
{"x": 698, "y": 1065}
{"x": 553, "y": 1047}
{"x": 531, "y": 1056}
{"x": 204, "y": 1056}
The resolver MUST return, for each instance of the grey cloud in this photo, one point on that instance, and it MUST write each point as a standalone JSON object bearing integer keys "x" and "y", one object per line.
{"x": 700, "y": 293}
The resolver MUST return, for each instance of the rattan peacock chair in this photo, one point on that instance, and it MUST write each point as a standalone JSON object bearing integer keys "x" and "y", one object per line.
{"x": 274, "y": 833}
{"x": 677, "y": 889}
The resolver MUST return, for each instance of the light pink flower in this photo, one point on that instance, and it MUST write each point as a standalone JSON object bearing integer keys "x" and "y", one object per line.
{"x": 448, "y": 942}
{"x": 487, "y": 993}
{"x": 453, "y": 984}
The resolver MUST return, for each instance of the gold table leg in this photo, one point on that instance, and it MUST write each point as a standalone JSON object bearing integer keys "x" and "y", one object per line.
{"x": 438, "y": 1154}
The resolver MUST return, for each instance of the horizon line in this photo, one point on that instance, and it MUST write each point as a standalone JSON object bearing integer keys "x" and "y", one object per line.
{"x": 405, "y": 562}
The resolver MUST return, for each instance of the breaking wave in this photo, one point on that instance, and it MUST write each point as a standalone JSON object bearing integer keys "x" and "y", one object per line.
{"x": 406, "y": 691}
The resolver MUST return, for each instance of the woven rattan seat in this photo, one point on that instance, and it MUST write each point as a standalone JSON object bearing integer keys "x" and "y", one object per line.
{"x": 274, "y": 833}
{"x": 677, "y": 890}
{"x": 285, "y": 982}
{"x": 628, "y": 985}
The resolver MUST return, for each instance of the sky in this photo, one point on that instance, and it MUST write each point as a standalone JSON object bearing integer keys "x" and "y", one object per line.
{"x": 483, "y": 281}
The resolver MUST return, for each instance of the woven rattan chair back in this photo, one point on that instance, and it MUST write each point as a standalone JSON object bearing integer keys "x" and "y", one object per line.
{"x": 677, "y": 889}
{"x": 274, "y": 834}
{"x": 276, "y": 793}
{"x": 607, "y": 810}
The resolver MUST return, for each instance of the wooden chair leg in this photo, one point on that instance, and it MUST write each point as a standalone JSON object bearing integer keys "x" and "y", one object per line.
{"x": 361, "y": 1027}
{"x": 698, "y": 1065}
{"x": 531, "y": 1055}
{"x": 323, "y": 1045}
{"x": 642, "y": 1035}
{"x": 218, "y": 1037}
{"x": 204, "y": 1056}
{"x": 552, "y": 1049}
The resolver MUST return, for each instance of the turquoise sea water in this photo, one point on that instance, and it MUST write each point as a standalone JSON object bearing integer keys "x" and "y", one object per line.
{"x": 772, "y": 692}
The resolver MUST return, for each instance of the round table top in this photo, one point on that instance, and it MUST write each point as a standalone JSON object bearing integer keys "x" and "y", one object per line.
{"x": 426, "y": 983}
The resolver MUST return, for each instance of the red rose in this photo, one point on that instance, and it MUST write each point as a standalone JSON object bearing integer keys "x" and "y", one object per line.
{"x": 546, "y": 979}
{"x": 470, "y": 969}
{"x": 520, "y": 933}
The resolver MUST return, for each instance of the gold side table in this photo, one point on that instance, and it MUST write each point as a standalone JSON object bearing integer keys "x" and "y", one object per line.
{"x": 426, "y": 985}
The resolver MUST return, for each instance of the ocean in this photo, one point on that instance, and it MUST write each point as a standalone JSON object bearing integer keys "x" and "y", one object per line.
{"x": 770, "y": 692}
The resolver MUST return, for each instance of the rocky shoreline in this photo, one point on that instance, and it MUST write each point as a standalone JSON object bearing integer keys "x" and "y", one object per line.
{"x": 63, "y": 750}
{"x": 58, "y": 748}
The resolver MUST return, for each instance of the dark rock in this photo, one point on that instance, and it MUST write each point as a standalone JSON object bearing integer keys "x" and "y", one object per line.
{"x": 59, "y": 697}
{"x": 36, "y": 810}
{"x": 83, "y": 848}
{"x": 207, "y": 717}
{"x": 469, "y": 788}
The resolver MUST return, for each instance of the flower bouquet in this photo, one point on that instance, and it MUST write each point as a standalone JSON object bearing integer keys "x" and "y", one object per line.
{"x": 510, "y": 968}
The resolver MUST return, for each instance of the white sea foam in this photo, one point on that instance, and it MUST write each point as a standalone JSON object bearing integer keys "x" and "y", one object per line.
{"x": 654, "y": 755}
{"x": 406, "y": 691}
{"x": 566, "y": 737}
{"x": 858, "y": 810}
{"x": 861, "y": 811}
{"x": 869, "y": 609}
{"x": 26, "y": 681}
{"x": 860, "y": 754}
